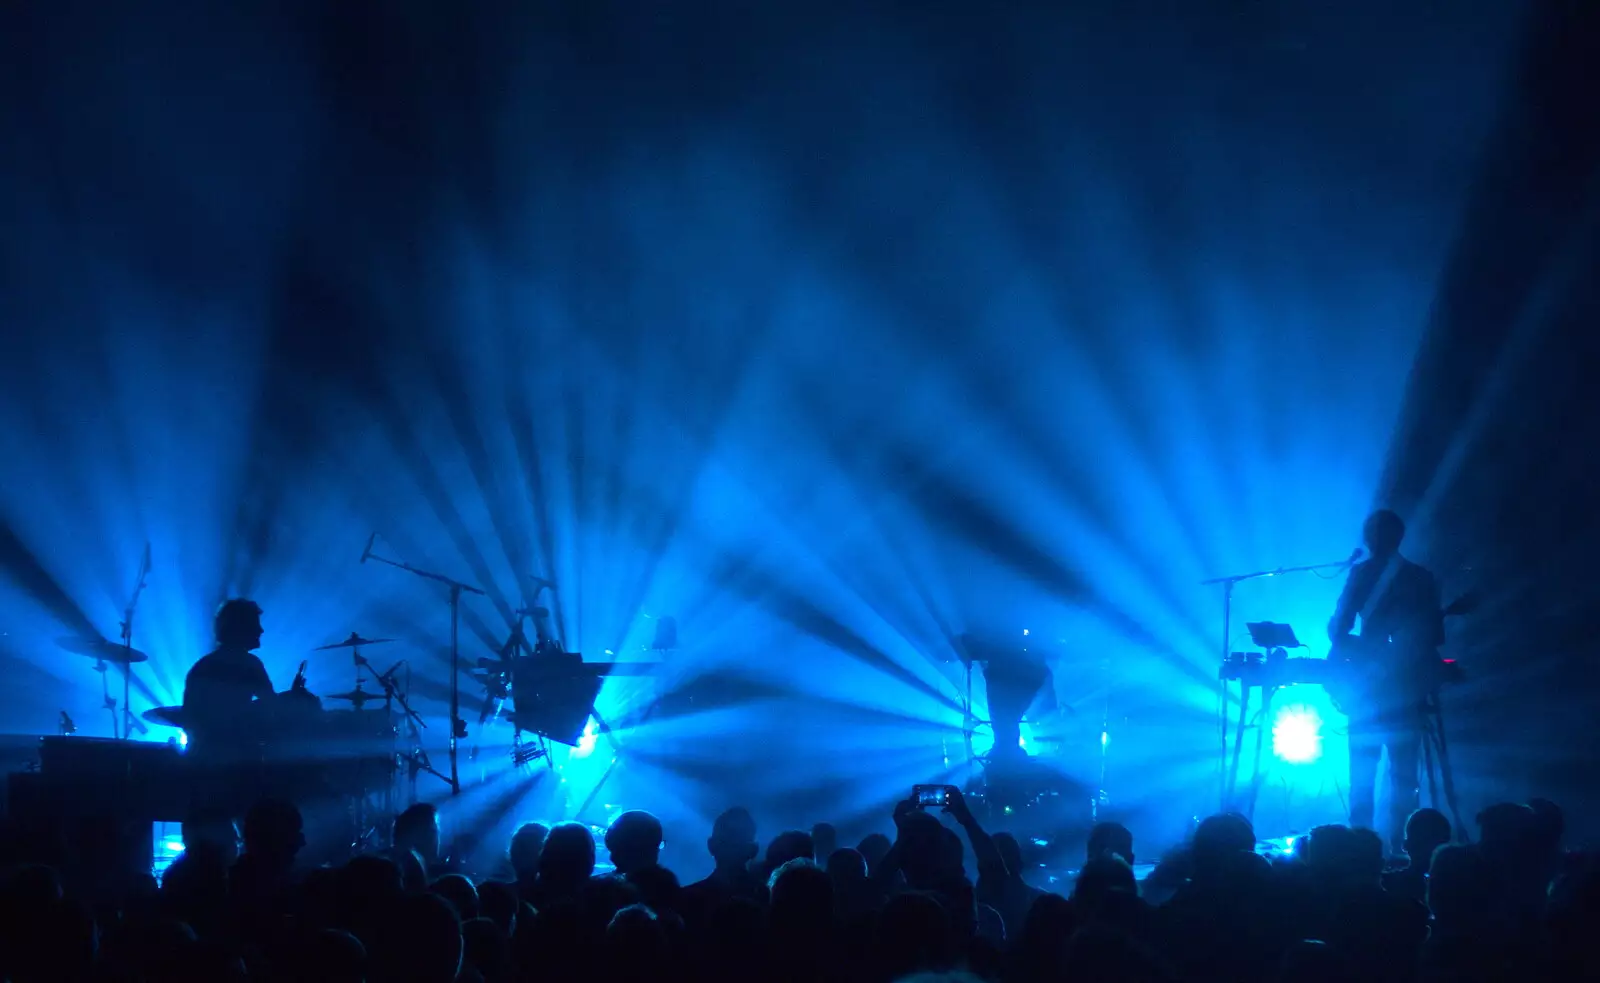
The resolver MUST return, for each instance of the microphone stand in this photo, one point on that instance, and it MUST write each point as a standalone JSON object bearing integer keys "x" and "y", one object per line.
{"x": 1224, "y": 786}
{"x": 128, "y": 720}
{"x": 458, "y": 726}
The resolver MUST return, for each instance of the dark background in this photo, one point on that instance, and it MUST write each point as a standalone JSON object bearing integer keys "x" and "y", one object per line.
{"x": 298, "y": 187}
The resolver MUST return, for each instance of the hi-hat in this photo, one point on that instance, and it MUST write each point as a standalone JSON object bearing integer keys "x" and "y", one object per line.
{"x": 354, "y": 641}
{"x": 165, "y": 716}
{"x": 99, "y": 648}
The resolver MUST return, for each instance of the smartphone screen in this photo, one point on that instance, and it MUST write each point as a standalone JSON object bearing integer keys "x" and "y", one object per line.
{"x": 931, "y": 796}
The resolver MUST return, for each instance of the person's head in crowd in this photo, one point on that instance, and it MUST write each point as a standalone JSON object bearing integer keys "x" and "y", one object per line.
{"x": 329, "y": 955}
{"x": 1327, "y": 850}
{"x": 568, "y": 856}
{"x": 1010, "y": 850}
{"x": 526, "y": 845}
{"x": 417, "y": 829}
{"x": 463, "y": 853}
{"x": 486, "y": 948}
{"x": 923, "y": 852}
{"x": 413, "y": 872}
{"x": 1217, "y": 841}
{"x": 793, "y": 844}
{"x": 274, "y": 833}
{"x": 634, "y": 842}
{"x": 824, "y": 840}
{"x": 1507, "y": 828}
{"x": 461, "y": 894}
{"x": 212, "y": 830}
{"x": 1549, "y": 828}
{"x": 873, "y": 848}
{"x": 733, "y": 843}
{"x": 1111, "y": 839}
{"x": 658, "y": 888}
{"x": 499, "y": 902}
{"x": 1100, "y": 952}
{"x": 1315, "y": 961}
{"x": 952, "y": 854}
{"x": 1101, "y": 877}
{"x": 365, "y": 885}
{"x": 802, "y": 898}
{"x": 48, "y": 938}
{"x": 1365, "y": 868}
{"x": 1461, "y": 892}
{"x": 636, "y": 943}
{"x": 915, "y": 934}
{"x": 420, "y": 941}
{"x": 195, "y": 885}
{"x": 846, "y": 866}
{"x": 1426, "y": 831}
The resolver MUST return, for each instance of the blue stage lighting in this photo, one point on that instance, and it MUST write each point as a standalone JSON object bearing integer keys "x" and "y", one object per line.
{"x": 1297, "y": 734}
{"x": 585, "y": 745}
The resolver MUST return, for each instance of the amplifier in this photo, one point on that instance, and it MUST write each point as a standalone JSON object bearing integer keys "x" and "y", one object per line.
{"x": 140, "y": 778}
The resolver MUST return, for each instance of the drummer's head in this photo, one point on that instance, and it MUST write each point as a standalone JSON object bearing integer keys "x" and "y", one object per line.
{"x": 238, "y": 624}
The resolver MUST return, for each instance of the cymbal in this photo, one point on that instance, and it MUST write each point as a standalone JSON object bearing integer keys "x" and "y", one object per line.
{"x": 165, "y": 716}
{"x": 99, "y": 648}
{"x": 356, "y": 696}
{"x": 354, "y": 641}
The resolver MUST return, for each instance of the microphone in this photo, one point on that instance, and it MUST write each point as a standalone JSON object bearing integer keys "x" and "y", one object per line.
{"x": 368, "y": 551}
{"x": 1355, "y": 556}
{"x": 145, "y": 567}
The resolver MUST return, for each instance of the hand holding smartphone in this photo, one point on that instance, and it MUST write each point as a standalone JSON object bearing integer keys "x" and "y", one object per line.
{"x": 930, "y": 796}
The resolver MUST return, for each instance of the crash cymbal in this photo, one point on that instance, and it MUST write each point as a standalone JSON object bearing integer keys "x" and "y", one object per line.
{"x": 356, "y": 696}
{"x": 99, "y": 648}
{"x": 165, "y": 716}
{"x": 354, "y": 641}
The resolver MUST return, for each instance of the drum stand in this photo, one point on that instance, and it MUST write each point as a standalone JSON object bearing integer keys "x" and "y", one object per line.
{"x": 458, "y": 727}
{"x": 125, "y": 716}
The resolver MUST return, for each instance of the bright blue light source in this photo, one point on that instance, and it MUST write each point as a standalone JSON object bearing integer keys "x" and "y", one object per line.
{"x": 1297, "y": 734}
{"x": 172, "y": 845}
{"x": 585, "y": 745}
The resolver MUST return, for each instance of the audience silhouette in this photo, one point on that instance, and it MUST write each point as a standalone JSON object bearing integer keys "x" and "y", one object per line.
{"x": 1514, "y": 906}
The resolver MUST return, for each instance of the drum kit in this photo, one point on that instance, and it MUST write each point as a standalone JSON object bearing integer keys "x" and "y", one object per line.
{"x": 356, "y": 752}
{"x": 361, "y": 751}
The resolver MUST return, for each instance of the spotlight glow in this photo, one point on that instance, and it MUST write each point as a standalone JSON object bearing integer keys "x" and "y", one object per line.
{"x": 1297, "y": 734}
{"x": 585, "y": 745}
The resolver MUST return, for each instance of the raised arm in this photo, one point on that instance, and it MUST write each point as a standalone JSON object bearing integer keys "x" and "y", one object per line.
{"x": 991, "y": 866}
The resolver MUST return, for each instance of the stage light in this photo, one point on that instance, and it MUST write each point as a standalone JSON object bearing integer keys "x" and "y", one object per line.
{"x": 586, "y": 743}
{"x": 1297, "y": 734}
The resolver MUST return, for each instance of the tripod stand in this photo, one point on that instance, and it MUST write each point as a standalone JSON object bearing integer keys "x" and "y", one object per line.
{"x": 125, "y": 715}
{"x": 458, "y": 727}
{"x": 1436, "y": 758}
